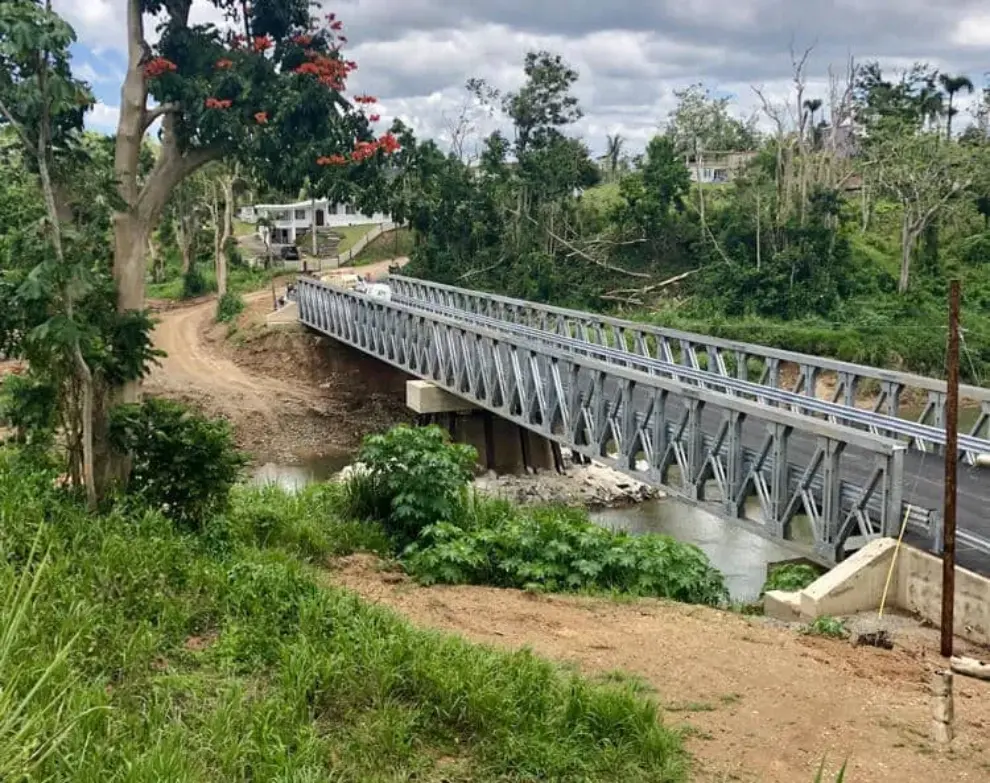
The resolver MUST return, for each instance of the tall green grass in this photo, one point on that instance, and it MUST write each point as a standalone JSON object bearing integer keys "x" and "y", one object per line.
{"x": 220, "y": 656}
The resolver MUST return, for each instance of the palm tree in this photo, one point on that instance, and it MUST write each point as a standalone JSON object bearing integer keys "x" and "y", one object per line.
{"x": 613, "y": 153}
{"x": 952, "y": 85}
{"x": 930, "y": 104}
{"x": 812, "y": 105}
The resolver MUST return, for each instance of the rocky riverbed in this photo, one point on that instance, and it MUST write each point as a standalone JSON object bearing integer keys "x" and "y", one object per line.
{"x": 593, "y": 486}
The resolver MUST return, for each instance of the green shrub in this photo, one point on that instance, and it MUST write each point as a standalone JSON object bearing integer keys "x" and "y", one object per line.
{"x": 830, "y": 627}
{"x": 229, "y": 307}
{"x": 417, "y": 474}
{"x": 194, "y": 283}
{"x": 790, "y": 578}
{"x": 559, "y": 549}
{"x": 30, "y": 406}
{"x": 182, "y": 462}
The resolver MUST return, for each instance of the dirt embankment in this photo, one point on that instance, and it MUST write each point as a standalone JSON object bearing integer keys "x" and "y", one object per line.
{"x": 290, "y": 396}
{"x": 758, "y": 703}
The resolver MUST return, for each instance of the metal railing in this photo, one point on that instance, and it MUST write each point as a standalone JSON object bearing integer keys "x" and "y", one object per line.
{"x": 921, "y": 436}
{"x": 713, "y": 449}
{"x": 730, "y": 361}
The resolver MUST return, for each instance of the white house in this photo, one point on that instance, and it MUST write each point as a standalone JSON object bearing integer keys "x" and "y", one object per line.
{"x": 717, "y": 167}
{"x": 288, "y": 220}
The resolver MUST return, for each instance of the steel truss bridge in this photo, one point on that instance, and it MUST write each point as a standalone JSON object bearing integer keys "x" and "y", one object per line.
{"x": 742, "y": 430}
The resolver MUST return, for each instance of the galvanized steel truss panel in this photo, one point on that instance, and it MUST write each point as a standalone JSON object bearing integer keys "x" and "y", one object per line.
{"x": 712, "y": 358}
{"x": 715, "y": 450}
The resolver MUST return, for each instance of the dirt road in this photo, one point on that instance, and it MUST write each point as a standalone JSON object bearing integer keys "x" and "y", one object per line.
{"x": 289, "y": 396}
{"x": 193, "y": 367}
{"x": 758, "y": 703}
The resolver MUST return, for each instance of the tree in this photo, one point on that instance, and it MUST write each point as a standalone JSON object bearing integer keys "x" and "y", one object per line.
{"x": 881, "y": 104}
{"x": 544, "y": 104}
{"x": 953, "y": 85}
{"x": 613, "y": 154}
{"x": 56, "y": 286}
{"x": 703, "y": 123}
{"x": 812, "y": 106}
{"x": 269, "y": 95}
{"x": 922, "y": 175}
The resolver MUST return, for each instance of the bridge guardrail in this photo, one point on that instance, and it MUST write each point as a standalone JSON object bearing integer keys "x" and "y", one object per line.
{"x": 920, "y": 436}
{"x": 722, "y": 358}
{"x": 849, "y": 486}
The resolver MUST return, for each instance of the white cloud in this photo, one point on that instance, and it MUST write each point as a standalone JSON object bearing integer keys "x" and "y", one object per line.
{"x": 103, "y": 118}
{"x": 973, "y": 31}
{"x": 631, "y": 55}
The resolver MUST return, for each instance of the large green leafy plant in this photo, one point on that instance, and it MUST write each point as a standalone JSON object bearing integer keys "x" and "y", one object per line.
{"x": 413, "y": 477}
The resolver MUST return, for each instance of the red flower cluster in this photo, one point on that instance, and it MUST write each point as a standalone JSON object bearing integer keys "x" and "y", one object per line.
{"x": 262, "y": 43}
{"x": 331, "y": 160}
{"x": 225, "y": 64}
{"x": 329, "y": 71}
{"x": 216, "y": 103}
{"x": 336, "y": 25}
{"x": 261, "y": 118}
{"x": 158, "y": 66}
{"x": 302, "y": 40}
{"x": 365, "y": 99}
{"x": 389, "y": 144}
{"x": 366, "y": 149}
{"x": 374, "y": 117}
{"x": 237, "y": 41}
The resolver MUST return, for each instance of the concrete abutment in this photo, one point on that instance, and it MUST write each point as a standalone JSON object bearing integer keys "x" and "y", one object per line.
{"x": 857, "y": 585}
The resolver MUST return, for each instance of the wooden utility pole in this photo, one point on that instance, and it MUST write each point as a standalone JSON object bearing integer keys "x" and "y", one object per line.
{"x": 951, "y": 462}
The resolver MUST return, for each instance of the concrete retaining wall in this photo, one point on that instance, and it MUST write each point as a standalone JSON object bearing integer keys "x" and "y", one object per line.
{"x": 856, "y": 585}
{"x": 919, "y": 590}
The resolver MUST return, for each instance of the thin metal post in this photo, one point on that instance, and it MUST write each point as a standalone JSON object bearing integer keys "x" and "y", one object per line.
{"x": 951, "y": 459}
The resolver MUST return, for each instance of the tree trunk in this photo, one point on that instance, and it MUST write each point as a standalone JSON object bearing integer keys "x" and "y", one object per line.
{"x": 226, "y": 237}
{"x": 759, "y": 248}
{"x": 907, "y": 245}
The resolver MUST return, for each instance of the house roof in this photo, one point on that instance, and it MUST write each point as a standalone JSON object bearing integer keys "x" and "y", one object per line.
{"x": 320, "y": 202}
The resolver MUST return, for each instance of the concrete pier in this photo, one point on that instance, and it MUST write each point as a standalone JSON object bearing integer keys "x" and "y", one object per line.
{"x": 502, "y": 445}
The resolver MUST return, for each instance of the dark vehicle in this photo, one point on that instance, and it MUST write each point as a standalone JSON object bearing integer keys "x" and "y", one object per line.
{"x": 289, "y": 253}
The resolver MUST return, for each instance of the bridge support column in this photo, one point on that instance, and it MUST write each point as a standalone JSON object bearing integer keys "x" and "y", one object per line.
{"x": 502, "y": 445}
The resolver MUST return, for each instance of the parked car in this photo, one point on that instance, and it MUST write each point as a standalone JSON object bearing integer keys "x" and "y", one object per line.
{"x": 289, "y": 253}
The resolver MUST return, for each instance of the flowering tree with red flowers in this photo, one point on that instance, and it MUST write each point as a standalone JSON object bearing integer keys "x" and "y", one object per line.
{"x": 268, "y": 93}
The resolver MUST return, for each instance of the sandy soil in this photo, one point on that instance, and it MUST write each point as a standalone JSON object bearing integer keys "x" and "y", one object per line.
{"x": 289, "y": 395}
{"x": 758, "y": 702}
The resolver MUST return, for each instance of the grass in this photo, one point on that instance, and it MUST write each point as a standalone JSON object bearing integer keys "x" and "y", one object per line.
{"x": 392, "y": 244}
{"x": 350, "y": 235}
{"x": 240, "y": 280}
{"x": 829, "y": 627}
{"x": 221, "y": 657}
{"x": 242, "y": 229}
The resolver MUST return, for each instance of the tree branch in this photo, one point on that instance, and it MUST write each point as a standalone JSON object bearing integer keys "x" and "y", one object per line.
{"x": 150, "y": 115}
{"x": 577, "y": 251}
{"x": 471, "y": 273}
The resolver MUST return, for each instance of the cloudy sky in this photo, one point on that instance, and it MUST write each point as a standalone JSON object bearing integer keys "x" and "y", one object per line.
{"x": 415, "y": 55}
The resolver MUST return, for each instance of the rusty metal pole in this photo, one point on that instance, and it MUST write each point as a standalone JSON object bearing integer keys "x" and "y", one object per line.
{"x": 951, "y": 465}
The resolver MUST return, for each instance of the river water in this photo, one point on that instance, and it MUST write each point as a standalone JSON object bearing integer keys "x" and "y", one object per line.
{"x": 741, "y": 556}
